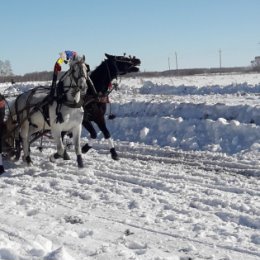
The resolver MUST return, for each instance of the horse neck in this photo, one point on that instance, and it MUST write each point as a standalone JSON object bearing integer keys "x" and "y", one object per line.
{"x": 102, "y": 77}
{"x": 67, "y": 82}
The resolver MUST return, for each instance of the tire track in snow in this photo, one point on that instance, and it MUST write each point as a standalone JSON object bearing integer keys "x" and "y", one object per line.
{"x": 206, "y": 162}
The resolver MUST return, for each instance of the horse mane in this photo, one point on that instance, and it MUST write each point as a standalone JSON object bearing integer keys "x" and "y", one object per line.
{"x": 100, "y": 77}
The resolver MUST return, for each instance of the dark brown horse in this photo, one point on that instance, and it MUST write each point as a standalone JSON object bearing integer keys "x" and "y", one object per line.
{"x": 97, "y": 96}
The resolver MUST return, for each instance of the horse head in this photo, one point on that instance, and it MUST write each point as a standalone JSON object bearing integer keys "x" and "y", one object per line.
{"x": 124, "y": 64}
{"x": 75, "y": 79}
{"x": 109, "y": 69}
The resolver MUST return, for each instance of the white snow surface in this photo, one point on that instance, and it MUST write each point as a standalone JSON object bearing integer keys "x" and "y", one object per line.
{"x": 186, "y": 185}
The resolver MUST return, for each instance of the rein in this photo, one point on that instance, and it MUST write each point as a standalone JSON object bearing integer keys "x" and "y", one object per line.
{"x": 76, "y": 79}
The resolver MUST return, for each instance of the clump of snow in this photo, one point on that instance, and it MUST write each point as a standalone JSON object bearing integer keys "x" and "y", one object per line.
{"x": 59, "y": 254}
{"x": 144, "y": 132}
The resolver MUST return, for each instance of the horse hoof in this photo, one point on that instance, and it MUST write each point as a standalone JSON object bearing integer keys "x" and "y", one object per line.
{"x": 28, "y": 160}
{"x": 80, "y": 161}
{"x": 85, "y": 148}
{"x": 116, "y": 158}
{"x": 111, "y": 116}
{"x": 114, "y": 154}
{"x": 66, "y": 156}
{"x": 54, "y": 157}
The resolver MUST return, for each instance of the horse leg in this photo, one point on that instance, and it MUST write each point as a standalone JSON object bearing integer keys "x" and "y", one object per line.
{"x": 2, "y": 170}
{"x": 93, "y": 135}
{"x": 102, "y": 126}
{"x": 25, "y": 141}
{"x": 61, "y": 152}
{"x": 2, "y": 114}
{"x": 76, "y": 133}
{"x": 17, "y": 148}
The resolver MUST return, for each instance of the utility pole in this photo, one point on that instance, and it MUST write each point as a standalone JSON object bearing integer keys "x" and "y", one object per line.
{"x": 220, "y": 59}
{"x": 176, "y": 61}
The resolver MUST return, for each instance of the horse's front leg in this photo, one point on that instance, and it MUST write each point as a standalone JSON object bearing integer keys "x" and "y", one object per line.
{"x": 93, "y": 135}
{"x": 61, "y": 152}
{"x": 76, "y": 132}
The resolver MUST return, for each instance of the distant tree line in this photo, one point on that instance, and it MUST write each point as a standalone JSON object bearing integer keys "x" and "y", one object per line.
{"x": 6, "y": 74}
{"x": 5, "y": 68}
{"x": 34, "y": 76}
{"x": 194, "y": 71}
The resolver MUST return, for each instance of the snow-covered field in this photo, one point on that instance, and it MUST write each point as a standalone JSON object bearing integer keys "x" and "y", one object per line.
{"x": 186, "y": 185}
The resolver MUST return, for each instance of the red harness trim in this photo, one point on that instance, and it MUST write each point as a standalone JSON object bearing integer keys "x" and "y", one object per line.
{"x": 2, "y": 104}
{"x": 103, "y": 99}
{"x": 110, "y": 86}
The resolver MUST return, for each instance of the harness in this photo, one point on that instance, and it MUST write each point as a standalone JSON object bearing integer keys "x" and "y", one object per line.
{"x": 29, "y": 109}
{"x": 103, "y": 98}
{"x": 62, "y": 90}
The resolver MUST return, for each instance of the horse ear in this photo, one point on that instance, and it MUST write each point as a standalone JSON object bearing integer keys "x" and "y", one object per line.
{"x": 83, "y": 58}
{"x": 109, "y": 56}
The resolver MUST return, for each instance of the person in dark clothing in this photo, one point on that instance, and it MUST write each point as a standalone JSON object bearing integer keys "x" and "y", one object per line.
{"x": 65, "y": 57}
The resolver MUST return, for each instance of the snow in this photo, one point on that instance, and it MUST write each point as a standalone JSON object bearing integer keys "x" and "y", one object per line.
{"x": 186, "y": 185}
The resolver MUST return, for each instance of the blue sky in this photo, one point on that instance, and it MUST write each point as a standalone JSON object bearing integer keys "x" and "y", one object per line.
{"x": 33, "y": 32}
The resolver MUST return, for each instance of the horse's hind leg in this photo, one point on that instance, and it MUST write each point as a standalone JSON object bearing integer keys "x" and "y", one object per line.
{"x": 113, "y": 152}
{"x": 103, "y": 128}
